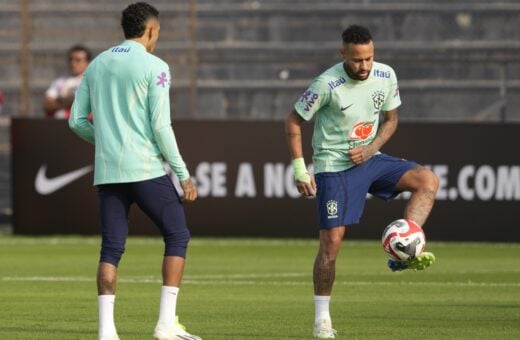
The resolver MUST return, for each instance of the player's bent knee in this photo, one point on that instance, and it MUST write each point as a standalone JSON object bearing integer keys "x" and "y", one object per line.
{"x": 429, "y": 181}
{"x": 176, "y": 242}
{"x": 111, "y": 255}
{"x": 421, "y": 179}
{"x": 335, "y": 241}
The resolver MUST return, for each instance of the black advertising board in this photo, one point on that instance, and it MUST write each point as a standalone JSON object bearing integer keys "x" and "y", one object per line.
{"x": 245, "y": 181}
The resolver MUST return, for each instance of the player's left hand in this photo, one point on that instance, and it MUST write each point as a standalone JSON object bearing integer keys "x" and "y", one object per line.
{"x": 190, "y": 191}
{"x": 360, "y": 154}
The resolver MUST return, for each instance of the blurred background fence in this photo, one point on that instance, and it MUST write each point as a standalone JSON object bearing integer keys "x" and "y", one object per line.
{"x": 250, "y": 60}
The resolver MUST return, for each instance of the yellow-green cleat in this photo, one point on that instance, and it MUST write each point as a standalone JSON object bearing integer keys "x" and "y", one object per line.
{"x": 177, "y": 331}
{"x": 323, "y": 330}
{"x": 420, "y": 262}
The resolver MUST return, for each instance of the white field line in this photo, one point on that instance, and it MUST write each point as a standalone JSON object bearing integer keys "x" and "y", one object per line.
{"x": 225, "y": 242}
{"x": 13, "y": 241}
{"x": 263, "y": 283}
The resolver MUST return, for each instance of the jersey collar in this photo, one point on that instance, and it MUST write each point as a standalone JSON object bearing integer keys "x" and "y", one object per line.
{"x": 133, "y": 44}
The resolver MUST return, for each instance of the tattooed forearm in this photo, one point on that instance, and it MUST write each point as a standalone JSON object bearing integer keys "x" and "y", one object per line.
{"x": 386, "y": 130}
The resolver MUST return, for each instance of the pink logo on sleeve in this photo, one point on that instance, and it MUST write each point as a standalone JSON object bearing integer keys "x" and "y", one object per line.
{"x": 163, "y": 80}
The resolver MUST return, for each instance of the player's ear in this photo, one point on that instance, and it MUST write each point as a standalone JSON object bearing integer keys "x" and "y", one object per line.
{"x": 153, "y": 31}
{"x": 149, "y": 32}
{"x": 342, "y": 52}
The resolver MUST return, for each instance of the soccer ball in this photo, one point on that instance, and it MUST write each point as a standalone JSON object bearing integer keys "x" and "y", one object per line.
{"x": 403, "y": 240}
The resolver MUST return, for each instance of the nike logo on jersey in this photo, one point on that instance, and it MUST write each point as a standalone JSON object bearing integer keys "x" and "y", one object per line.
{"x": 346, "y": 107}
{"x": 46, "y": 186}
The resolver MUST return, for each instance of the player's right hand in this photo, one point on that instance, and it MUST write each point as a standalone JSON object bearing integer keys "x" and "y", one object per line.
{"x": 190, "y": 191}
{"x": 307, "y": 188}
{"x": 304, "y": 181}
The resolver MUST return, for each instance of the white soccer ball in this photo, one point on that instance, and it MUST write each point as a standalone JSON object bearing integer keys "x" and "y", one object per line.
{"x": 403, "y": 240}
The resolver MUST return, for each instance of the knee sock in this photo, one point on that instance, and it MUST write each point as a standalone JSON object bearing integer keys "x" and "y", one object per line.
{"x": 107, "y": 326}
{"x": 168, "y": 305}
{"x": 321, "y": 304}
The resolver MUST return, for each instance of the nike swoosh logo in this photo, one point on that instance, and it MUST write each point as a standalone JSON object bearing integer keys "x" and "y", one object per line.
{"x": 46, "y": 186}
{"x": 346, "y": 107}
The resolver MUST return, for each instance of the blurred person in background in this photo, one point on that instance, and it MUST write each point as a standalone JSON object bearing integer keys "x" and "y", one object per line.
{"x": 347, "y": 100}
{"x": 60, "y": 95}
{"x": 1, "y": 101}
{"x": 127, "y": 89}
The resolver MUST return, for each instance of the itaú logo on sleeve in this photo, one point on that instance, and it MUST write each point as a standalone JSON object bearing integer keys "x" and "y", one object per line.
{"x": 46, "y": 186}
{"x": 362, "y": 130}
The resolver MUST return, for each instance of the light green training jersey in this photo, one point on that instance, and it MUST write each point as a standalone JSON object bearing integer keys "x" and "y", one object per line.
{"x": 347, "y": 112}
{"x": 127, "y": 90}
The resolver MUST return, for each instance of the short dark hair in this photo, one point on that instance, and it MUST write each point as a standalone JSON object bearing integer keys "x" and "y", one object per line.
{"x": 80, "y": 48}
{"x": 134, "y": 19}
{"x": 356, "y": 34}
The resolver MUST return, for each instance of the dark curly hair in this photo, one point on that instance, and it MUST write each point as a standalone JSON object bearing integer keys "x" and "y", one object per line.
{"x": 80, "y": 48}
{"x": 134, "y": 18}
{"x": 356, "y": 34}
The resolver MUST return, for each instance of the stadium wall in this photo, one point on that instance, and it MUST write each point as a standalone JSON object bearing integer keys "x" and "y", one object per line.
{"x": 246, "y": 189}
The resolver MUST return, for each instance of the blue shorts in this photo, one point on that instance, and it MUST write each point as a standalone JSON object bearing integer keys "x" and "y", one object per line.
{"x": 341, "y": 195}
{"x": 158, "y": 199}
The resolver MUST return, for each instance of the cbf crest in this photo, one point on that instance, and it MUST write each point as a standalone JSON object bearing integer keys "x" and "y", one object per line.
{"x": 332, "y": 209}
{"x": 378, "y": 98}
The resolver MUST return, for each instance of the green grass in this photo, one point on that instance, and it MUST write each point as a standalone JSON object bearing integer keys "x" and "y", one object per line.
{"x": 261, "y": 289}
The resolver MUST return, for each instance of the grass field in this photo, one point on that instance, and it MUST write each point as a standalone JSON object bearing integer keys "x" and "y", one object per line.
{"x": 261, "y": 289}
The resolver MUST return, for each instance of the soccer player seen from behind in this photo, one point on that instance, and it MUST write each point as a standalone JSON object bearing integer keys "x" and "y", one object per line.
{"x": 127, "y": 90}
{"x": 347, "y": 100}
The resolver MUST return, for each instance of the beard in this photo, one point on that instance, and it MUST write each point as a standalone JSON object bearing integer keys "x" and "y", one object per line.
{"x": 356, "y": 75}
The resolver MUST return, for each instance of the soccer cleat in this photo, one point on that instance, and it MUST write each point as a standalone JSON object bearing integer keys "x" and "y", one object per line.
{"x": 420, "y": 262}
{"x": 323, "y": 330}
{"x": 177, "y": 331}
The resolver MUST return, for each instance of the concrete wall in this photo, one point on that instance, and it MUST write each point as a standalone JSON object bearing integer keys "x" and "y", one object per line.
{"x": 256, "y": 57}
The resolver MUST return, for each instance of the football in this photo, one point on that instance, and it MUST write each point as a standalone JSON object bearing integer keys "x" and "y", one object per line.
{"x": 403, "y": 240}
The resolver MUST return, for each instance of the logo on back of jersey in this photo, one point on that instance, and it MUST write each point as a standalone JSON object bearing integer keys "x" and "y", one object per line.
{"x": 120, "y": 49}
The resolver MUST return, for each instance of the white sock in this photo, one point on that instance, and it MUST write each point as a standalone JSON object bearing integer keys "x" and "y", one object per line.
{"x": 168, "y": 305}
{"x": 321, "y": 304}
{"x": 107, "y": 326}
